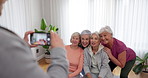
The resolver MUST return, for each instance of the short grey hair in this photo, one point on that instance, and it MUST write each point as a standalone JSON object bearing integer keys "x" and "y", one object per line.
{"x": 106, "y": 29}
{"x": 85, "y": 32}
{"x": 97, "y": 33}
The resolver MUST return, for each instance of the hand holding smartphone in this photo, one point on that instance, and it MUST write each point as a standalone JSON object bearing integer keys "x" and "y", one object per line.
{"x": 40, "y": 39}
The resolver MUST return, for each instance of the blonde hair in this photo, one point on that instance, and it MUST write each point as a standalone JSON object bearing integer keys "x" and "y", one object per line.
{"x": 96, "y": 33}
{"x": 106, "y": 29}
{"x": 75, "y": 34}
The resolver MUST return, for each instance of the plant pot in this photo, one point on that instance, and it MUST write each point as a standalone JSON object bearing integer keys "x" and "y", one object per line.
{"x": 144, "y": 74}
{"x": 47, "y": 58}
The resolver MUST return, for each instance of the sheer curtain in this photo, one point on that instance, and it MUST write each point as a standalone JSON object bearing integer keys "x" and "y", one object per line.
{"x": 21, "y": 15}
{"x": 127, "y": 18}
{"x": 56, "y": 12}
{"x": 131, "y": 24}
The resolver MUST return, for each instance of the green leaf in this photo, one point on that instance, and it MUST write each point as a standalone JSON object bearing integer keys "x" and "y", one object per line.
{"x": 139, "y": 59}
{"x": 145, "y": 57}
{"x": 138, "y": 68}
{"x": 50, "y": 25}
{"x": 51, "y": 28}
{"x": 43, "y": 24}
{"x": 57, "y": 29}
{"x": 36, "y": 31}
{"x": 48, "y": 52}
{"x": 46, "y": 47}
{"x": 54, "y": 28}
{"x": 145, "y": 66}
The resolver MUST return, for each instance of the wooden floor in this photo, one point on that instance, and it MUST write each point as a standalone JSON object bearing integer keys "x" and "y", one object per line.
{"x": 116, "y": 72}
{"x": 43, "y": 64}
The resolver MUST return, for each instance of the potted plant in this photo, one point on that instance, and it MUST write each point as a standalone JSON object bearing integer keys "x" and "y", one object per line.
{"x": 44, "y": 28}
{"x": 142, "y": 65}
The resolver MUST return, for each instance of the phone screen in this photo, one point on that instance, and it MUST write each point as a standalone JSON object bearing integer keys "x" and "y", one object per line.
{"x": 40, "y": 38}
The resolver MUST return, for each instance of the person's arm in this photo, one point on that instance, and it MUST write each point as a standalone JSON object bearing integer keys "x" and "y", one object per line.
{"x": 80, "y": 66}
{"x": 120, "y": 61}
{"x": 26, "y": 38}
{"x": 59, "y": 63}
{"x": 16, "y": 59}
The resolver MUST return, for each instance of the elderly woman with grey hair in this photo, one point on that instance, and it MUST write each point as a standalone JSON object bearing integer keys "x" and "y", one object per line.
{"x": 96, "y": 60}
{"x": 74, "y": 56}
{"x": 85, "y": 37}
{"x": 119, "y": 54}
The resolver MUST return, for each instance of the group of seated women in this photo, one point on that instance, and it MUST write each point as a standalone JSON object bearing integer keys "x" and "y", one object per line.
{"x": 95, "y": 55}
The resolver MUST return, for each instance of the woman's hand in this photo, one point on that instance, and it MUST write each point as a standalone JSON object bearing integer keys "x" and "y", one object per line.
{"x": 108, "y": 51}
{"x": 56, "y": 41}
{"x": 88, "y": 75}
{"x": 26, "y": 38}
{"x": 120, "y": 61}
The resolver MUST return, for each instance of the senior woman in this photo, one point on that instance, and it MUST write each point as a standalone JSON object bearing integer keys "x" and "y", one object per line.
{"x": 119, "y": 54}
{"x": 74, "y": 56}
{"x": 96, "y": 60}
{"x": 85, "y": 37}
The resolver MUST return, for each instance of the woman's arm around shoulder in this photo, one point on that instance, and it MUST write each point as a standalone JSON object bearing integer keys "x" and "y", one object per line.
{"x": 120, "y": 61}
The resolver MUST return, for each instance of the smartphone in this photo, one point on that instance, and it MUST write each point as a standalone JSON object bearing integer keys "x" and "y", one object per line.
{"x": 40, "y": 39}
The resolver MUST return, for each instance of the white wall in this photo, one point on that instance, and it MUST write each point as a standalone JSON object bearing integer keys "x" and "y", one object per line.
{"x": 56, "y": 13}
{"x": 46, "y": 10}
{"x": 21, "y": 15}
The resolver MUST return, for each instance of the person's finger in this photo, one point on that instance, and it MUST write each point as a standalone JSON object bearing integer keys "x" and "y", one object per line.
{"x": 29, "y": 32}
{"x": 33, "y": 45}
{"x": 52, "y": 38}
{"x": 51, "y": 34}
{"x": 56, "y": 41}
